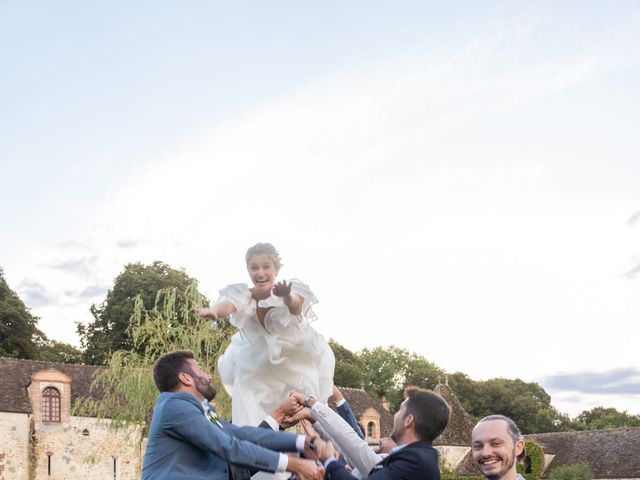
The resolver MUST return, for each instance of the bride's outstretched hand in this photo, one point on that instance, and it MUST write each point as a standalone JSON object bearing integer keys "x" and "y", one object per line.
{"x": 282, "y": 289}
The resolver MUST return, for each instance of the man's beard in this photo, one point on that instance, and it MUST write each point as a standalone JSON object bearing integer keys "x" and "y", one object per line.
{"x": 206, "y": 389}
{"x": 396, "y": 435}
{"x": 501, "y": 473}
{"x": 203, "y": 386}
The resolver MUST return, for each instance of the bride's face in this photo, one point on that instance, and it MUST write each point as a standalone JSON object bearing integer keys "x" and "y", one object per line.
{"x": 262, "y": 271}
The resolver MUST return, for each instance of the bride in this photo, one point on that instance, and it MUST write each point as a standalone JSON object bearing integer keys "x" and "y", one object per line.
{"x": 275, "y": 349}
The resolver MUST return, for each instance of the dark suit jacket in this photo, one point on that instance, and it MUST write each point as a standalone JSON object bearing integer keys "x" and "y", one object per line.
{"x": 184, "y": 444}
{"x": 416, "y": 461}
{"x": 347, "y": 415}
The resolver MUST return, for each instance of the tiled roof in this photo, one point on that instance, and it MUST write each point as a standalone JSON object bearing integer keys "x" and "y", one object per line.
{"x": 609, "y": 453}
{"x": 360, "y": 401}
{"x": 458, "y": 431}
{"x": 15, "y": 375}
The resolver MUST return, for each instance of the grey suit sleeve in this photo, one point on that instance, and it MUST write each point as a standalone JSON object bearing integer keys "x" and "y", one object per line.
{"x": 184, "y": 420}
{"x": 356, "y": 450}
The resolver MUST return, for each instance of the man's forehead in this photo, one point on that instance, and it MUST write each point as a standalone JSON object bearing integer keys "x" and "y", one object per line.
{"x": 490, "y": 428}
{"x": 192, "y": 362}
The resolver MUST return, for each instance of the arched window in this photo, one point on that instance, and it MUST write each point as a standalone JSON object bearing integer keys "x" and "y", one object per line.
{"x": 371, "y": 426}
{"x": 51, "y": 405}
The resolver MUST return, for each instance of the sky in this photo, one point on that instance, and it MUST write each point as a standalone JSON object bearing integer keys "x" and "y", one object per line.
{"x": 459, "y": 179}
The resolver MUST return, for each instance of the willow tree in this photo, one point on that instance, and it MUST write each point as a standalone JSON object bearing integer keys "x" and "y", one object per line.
{"x": 123, "y": 390}
{"x": 110, "y": 329}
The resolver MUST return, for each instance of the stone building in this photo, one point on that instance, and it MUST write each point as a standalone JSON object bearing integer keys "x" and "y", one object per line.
{"x": 41, "y": 439}
{"x": 374, "y": 419}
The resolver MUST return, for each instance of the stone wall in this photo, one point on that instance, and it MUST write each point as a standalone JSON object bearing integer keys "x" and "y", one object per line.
{"x": 14, "y": 446}
{"x": 451, "y": 456}
{"x": 86, "y": 448}
{"x": 80, "y": 448}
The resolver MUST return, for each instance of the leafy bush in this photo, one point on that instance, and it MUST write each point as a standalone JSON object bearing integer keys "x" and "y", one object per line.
{"x": 533, "y": 464}
{"x": 580, "y": 471}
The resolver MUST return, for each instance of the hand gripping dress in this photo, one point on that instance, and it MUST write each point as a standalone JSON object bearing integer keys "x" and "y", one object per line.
{"x": 262, "y": 364}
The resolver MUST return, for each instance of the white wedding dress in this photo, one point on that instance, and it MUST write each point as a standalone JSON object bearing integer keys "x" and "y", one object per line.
{"x": 262, "y": 364}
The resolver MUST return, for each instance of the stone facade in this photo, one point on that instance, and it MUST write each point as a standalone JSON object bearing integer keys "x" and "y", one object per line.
{"x": 370, "y": 424}
{"x": 86, "y": 448}
{"x": 40, "y": 439}
{"x": 15, "y": 432}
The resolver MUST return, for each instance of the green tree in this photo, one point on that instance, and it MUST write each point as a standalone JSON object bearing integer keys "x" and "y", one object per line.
{"x": 54, "y": 351}
{"x": 464, "y": 388}
{"x": 389, "y": 370}
{"x": 422, "y": 373}
{"x": 599, "y": 418}
{"x": 126, "y": 382}
{"x": 528, "y": 404}
{"x": 349, "y": 371}
{"x": 19, "y": 333}
{"x": 109, "y": 330}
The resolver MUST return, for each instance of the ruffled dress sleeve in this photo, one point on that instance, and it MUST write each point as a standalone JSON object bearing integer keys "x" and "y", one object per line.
{"x": 280, "y": 317}
{"x": 240, "y": 296}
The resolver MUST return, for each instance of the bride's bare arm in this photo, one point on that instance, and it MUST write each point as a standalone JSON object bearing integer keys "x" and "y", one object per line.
{"x": 223, "y": 309}
{"x": 293, "y": 301}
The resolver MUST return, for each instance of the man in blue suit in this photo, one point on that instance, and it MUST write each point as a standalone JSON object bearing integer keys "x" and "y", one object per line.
{"x": 422, "y": 417}
{"x": 188, "y": 441}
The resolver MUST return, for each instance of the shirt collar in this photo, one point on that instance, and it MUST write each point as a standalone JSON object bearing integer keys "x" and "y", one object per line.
{"x": 397, "y": 448}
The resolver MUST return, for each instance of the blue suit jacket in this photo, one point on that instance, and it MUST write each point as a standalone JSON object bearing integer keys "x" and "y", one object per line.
{"x": 184, "y": 444}
{"x": 347, "y": 415}
{"x": 417, "y": 460}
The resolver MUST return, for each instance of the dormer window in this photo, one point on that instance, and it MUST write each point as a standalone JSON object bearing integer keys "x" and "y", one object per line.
{"x": 51, "y": 405}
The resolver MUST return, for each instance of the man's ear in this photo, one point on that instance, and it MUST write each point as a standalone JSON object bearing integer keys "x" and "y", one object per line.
{"x": 520, "y": 450}
{"x": 185, "y": 379}
{"x": 409, "y": 421}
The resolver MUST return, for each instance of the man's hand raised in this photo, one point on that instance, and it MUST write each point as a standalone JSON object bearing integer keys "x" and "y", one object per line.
{"x": 284, "y": 412}
{"x": 305, "y": 469}
{"x": 291, "y": 420}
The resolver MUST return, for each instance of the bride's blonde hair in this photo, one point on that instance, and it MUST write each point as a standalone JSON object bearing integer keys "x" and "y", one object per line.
{"x": 264, "y": 249}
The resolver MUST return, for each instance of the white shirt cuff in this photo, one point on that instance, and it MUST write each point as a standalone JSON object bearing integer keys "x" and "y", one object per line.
{"x": 272, "y": 422}
{"x": 300, "y": 443}
{"x": 283, "y": 463}
{"x": 341, "y": 402}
